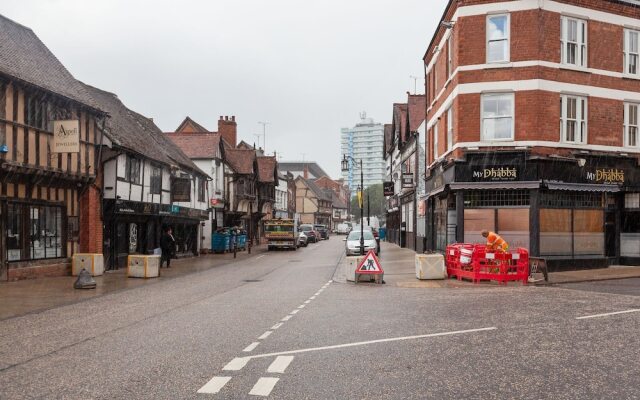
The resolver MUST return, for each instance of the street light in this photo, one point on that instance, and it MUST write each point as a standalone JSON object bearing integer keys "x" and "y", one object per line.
{"x": 345, "y": 168}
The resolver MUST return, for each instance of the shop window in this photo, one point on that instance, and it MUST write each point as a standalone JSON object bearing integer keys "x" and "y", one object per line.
{"x": 632, "y": 200}
{"x": 496, "y": 198}
{"x": 631, "y": 52}
{"x": 573, "y": 119}
{"x": 497, "y": 116}
{"x": 133, "y": 170}
{"x": 558, "y": 199}
{"x": 34, "y": 232}
{"x": 573, "y": 38}
{"x": 631, "y": 125}
{"x": 156, "y": 180}
{"x": 588, "y": 232}
{"x": 555, "y": 232}
{"x": 572, "y": 232}
{"x": 630, "y": 235}
{"x": 477, "y": 220}
{"x": 498, "y": 38}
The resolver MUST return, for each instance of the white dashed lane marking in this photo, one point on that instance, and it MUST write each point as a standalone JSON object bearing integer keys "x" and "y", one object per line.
{"x": 609, "y": 314}
{"x": 294, "y": 312}
{"x": 251, "y": 347}
{"x": 285, "y": 319}
{"x": 276, "y": 326}
{"x": 265, "y": 335}
{"x": 236, "y": 364}
{"x": 280, "y": 364}
{"x": 301, "y": 306}
{"x": 264, "y": 386}
{"x": 215, "y": 385}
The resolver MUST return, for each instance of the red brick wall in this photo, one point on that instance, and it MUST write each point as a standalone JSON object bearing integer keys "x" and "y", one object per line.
{"x": 91, "y": 226}
{"x": 606, "y": 120}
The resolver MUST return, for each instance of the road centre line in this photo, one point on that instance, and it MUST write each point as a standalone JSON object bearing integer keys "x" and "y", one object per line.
{"x": 280, "y": 364}
{"x": 259, "y": 257}
{"x": 307, "y": 302}
{"x": 214, "y": 385}
{"x": 251, "y": 347}
{"x": 276, "y": 326}
{"x": 265, "y": 335}
{"x": 609, "y": 314}
{"x": 302, "y": 306}
{"x": 288, "y": 317}
{"x": 312, "y": 298}
{"x": 355, "y": 344}
{"x": 294, "y": 312}
{"x": 264, "y": 386}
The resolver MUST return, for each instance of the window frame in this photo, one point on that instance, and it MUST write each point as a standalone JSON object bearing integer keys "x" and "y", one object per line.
{"x": 581, "y": 42}
{"x": 129, "y": 165}
{"x": 435, "y": 141}
{"x": 449, "y": 57}
{"x": 628, "y": 125}
{"x": 155, "y": 185}
{"x": 582, "y": 118}
{"x": 483, "y": 136}
{"x": 626, "y": 52}
{"x": 450, "y": 128}
{"x": 202, "y": 189}
{"x": 506, "y": 39}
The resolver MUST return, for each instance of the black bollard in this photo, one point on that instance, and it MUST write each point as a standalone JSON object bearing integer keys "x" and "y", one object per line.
{"x": 85, "y": 280}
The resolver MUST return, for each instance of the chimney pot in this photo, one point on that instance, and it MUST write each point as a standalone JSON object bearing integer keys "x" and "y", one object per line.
{"x": 233, "y": 118}
{"x": 220, "y": 118}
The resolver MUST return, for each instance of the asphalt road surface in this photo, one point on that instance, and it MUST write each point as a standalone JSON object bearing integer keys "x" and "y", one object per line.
{"x": 280, "y": 327}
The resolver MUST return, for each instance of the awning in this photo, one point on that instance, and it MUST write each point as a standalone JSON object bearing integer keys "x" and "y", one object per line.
{"x": 583, "y": 187}
{"x": 436, "y": 191}
{"x": 494, "y": 185}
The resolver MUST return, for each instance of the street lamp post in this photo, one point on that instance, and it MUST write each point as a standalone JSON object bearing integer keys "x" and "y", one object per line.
{"x": 345, "y": 167}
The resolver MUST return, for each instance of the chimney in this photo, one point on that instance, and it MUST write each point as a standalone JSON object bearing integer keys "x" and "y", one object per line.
{"x": 227, "y": 128}
{"x": 306, "y": 172}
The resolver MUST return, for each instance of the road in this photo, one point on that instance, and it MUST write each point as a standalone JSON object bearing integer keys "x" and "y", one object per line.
{"x": 279, "y": 326}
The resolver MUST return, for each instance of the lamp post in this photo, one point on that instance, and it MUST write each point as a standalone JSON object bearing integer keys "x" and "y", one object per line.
{"x": 345, "y": 167}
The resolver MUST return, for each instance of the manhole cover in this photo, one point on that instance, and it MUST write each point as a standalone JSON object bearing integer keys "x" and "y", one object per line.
{"x": 252, "y": 280}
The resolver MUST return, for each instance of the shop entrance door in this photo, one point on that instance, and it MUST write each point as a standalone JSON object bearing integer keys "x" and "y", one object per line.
{"x": 122, "y": 245}
{"x": 610, "y": 234}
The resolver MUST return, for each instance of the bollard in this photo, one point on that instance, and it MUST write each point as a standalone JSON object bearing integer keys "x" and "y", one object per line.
{"x": 85, "y": 280}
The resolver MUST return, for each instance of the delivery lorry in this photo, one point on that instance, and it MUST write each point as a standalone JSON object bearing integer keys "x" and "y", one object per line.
{"x": 281, "y": 234}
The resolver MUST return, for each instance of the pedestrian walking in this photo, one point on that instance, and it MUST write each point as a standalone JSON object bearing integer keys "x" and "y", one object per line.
{"x": 168, "y": 247}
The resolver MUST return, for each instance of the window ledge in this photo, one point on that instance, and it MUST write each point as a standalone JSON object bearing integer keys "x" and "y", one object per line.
{"x": 632, "y": 77}
{"x": 499, "y": 64}
{"x": 570, "y": 67}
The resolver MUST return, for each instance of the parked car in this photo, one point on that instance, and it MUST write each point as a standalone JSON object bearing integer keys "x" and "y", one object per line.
{"x": 374, "y": 232}
{"x": 323, "y": 231}
{"x": 303, "y": 240}
{"x": 343, "y": 229}
{"x": 311, "y": 234}
{"x": 352, "y": 243}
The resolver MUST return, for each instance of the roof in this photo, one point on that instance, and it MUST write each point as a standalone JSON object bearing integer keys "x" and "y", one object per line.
{"x": 240, "y": 160}
{"x": 388, "y": 137}
{"x": 191, "y": 126}
{"x": 267, "y": 169}
{"x": 197, "y": 145}
{"x": 137, "y": 133}
{"x": 317, "y": 190}
{"x": 24, "y": 57}
{"x": 417, "y": 111}
{"x": 298, "y": 166}
{"x": 337, "y": 201}
{"x": 400, "y": 120}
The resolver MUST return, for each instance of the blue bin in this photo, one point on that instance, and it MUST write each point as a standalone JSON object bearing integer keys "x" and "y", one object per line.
{"x": 242, "y": 241}
{"x": 220, "y": 242}
{"x": 382, "y": 233}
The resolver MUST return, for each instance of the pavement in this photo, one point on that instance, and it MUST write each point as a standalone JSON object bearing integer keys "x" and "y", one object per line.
{"x": 279, "y": 326}
{"x": 35, "y": 295}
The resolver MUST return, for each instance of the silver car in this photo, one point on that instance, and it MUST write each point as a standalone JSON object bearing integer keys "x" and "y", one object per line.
{"x": 352, "y": 243}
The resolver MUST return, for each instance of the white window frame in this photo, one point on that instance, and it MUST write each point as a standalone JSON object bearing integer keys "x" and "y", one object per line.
{"x": 581, "y": 119}
{"x": 628, "y": 125}
{"x": 435, "y": 141}
{"x": 507, "y": 39}
{"x": 511, "y": 96}
{"x": 628, "y": 53}
{"x": 581, "y": 41}
{"x": 449, "y": 128}
{"x": 449, "y": 57}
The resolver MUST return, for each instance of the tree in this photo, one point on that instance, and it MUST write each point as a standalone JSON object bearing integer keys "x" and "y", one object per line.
{"x": 376, "y": 201}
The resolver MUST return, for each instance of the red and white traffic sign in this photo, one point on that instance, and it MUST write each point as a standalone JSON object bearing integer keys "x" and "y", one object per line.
{"x": 370, "y": 265}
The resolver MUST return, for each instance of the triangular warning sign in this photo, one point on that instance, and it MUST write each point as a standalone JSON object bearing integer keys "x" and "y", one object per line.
{"x": 370, "y": 265}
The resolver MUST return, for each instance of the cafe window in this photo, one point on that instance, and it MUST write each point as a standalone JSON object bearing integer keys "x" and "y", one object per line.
{"x": 632, "y": 200}
{"x": 497, "y": 116}
{"x": 572, "y": 232}
{"x": 560, "y": 199}
{"x": 496, "y": 198}
{"x": 510, "y": 223}
{"x": 133, "y": 170}
{"x": 573, "y": 39}
{"x": 573, "y": 119}
{"x": 631, "y": 125}
{"x": 34, "y": 232}
{"x": 156, "y": 180}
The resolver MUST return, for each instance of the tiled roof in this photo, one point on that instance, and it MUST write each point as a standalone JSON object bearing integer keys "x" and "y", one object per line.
{"x": 388, "y": 137}
{"x": 417, "y": 109}
{"x": 317, "y": 190}
{"x": 25, "y": 57}
{"x": 137, "y": 133}
{"x": 196, "y": 127}
{"x": 266, "y": 169}
{"x": 197, "y": 145}
{"x": 240, "y": 160}
{"x": 337, "y": 202}
{"x": 400, "y": 120}
{"x": 298, "y": 166}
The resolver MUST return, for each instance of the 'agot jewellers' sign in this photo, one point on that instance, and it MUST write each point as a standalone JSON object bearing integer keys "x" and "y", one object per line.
{"x": 495, "y": 174}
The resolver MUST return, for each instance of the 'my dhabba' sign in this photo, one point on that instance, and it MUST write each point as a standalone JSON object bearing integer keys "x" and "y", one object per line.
{"x": 66, "y": 136}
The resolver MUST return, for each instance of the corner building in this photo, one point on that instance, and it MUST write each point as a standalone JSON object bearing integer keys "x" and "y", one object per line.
{"x": 533, "y": 128}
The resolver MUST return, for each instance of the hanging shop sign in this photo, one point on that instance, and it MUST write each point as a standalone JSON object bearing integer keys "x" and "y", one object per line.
{"x": 66, "y": 136}
{"x": 388, "y": 188}
{"x": 180, "y": 190}
{"x": 407, "y": 180}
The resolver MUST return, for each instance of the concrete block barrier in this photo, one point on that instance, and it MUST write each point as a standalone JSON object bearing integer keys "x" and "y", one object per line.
{"x": 93, "y": 263}
{"x": 139, "y": 266}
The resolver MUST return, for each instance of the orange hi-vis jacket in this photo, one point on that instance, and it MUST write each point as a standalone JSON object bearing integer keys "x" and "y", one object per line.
{"x": 495, "y": 242}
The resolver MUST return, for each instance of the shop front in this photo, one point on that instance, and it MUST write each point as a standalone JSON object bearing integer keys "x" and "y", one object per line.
{"x": 393, "y": 220}
{"x": 577, "y": 213}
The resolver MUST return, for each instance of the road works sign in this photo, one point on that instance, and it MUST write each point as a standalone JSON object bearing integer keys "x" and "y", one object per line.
{"x": 370, "y": 265}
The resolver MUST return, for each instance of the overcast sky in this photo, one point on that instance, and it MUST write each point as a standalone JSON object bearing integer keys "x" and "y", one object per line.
{"x": 307, "y": 67}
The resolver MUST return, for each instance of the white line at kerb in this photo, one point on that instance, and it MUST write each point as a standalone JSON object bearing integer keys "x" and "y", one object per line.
{"x": 280, "y": 364}
{"x": 264, "y": 386}
{"x": 395, "y": 339}
{"x": 251, "y": 347}
{"x": 609, "y": 314}
{"x": 214, "y": 385}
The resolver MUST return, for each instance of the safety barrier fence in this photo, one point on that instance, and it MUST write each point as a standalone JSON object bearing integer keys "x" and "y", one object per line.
{"x": 474, "y": 262}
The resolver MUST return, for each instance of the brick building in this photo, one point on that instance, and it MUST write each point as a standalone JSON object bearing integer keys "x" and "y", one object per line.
{"x": 532, "y": 127}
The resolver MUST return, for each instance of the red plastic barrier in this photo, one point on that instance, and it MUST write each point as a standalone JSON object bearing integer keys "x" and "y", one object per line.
{"x": 487, "y": 266}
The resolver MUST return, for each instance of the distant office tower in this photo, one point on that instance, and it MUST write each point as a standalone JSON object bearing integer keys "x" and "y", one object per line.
{"x": 363, "y": 142}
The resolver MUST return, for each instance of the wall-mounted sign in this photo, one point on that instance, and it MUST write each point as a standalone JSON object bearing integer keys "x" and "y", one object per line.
{"x": 495, "y": 174}
{"x": 388, "y": 188}
{"x": 66, "y": 136}
{"x": 407, "y": 180}
{"x": 606, "y": 175}
{"x": 180, "y": 190}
